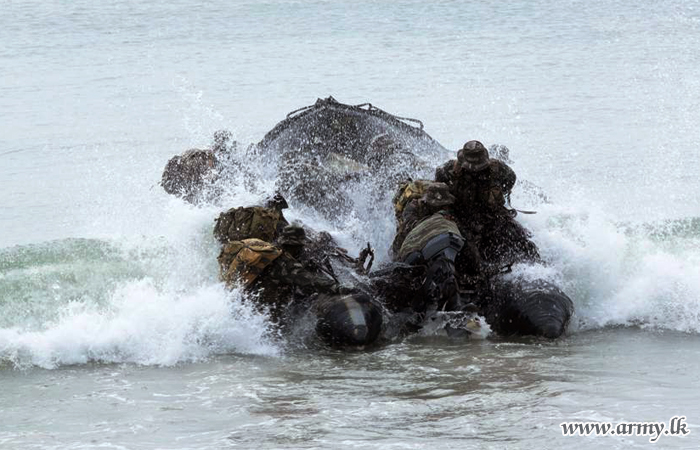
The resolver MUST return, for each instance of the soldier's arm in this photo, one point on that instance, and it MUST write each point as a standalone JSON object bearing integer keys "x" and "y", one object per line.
{"x": 444, "y": 173}
{"x": 288, "y": 271}
{"x": 506, "y": 176}
{"x": 411, "y": 213}
{"x": 409, "y": 216}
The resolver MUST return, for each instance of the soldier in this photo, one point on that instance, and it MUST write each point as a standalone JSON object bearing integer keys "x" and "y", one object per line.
{"x": 415, "y": 201}
{"x": 194, "y": 174}
{"x": 428, "y": 236}
{"x": 481, "y": 187}
{"x": 287, "y": 280}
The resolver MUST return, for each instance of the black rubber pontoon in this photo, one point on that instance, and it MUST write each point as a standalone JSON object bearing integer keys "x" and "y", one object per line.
{"x": 522, "y": 307}
{"x": 328, "y": 127}
{"x": 348, "y": 321}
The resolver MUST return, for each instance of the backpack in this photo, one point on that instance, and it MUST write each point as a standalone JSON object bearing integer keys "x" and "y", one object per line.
{"x": 245, "y": 260}
{"x": 250, "y": 222}
{"x": 408, "y": 191}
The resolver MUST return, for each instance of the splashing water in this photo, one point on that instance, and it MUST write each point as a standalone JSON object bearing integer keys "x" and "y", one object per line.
{"x": 622, "y": 274}
{"x": 154, "y": 297}
{"x": 147, "y": 300}
{"x": 143, "y": 325}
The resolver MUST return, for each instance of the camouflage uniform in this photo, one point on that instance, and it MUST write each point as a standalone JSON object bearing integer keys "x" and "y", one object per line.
{"x": 428, "y": 236}
{"x": 194, "y": 174}
{"x": 481, "y": 186}
{"x": 263, "y": 252}
{"x": 291, "y": 280}
{"x": 276, "y": 277}
{"x": 414, "y": 202}
{"x": 485, "y": 190}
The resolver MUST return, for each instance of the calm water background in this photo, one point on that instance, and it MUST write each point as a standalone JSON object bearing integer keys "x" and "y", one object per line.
{"x": 114, "y": 331}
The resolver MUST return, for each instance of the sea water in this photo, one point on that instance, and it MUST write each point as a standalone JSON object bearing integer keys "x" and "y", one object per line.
{"x": 116, "y": 333}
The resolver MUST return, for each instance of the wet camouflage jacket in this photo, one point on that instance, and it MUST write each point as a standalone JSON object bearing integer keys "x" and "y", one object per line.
{"x": 425, "y": 229}
{"x": 191, "y": 174}
{"x": 484, "y": 192}
{"x": 414, "y": 212}
{"x": 485, "y": 221}
{"x": 273, "y": 274}
{"x": 411, "y": 207}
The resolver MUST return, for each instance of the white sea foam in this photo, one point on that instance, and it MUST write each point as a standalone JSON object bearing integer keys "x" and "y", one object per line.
{"x": 619, "y": 274}
{"x": 154, "y": 298}
{"x": 145, "y": 325}
{"x": 172, "y": 309}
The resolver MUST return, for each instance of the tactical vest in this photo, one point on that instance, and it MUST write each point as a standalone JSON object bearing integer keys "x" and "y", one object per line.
{"x": 245, "y": 260}
{"x": 249, "y": 222}
{"x": 488, "y": 196}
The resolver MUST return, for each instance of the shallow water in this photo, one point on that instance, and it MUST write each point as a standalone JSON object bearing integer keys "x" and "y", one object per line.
{"x": 422, "y": 392}
{"x": 114, "y": 329}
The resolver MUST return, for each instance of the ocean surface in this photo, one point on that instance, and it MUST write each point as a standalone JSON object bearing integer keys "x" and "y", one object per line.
{"x": 116, "y": 333}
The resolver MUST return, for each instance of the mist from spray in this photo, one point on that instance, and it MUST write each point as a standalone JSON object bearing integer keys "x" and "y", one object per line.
{"x": 142, "y": 285}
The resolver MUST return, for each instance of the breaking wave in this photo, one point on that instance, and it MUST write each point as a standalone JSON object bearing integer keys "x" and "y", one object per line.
{"x": 154, "y": 302}
{"x": 151, "y": 295}
{"x": 141, "y": 324}
{"x": 624, "y": 274}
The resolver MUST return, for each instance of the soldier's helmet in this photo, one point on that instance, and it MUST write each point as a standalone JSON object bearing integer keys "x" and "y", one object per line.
{"x": 437, "y": 195}
{"x": 473, "y": 157}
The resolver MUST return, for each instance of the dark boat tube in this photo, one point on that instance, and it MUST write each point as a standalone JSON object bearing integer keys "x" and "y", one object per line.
{"x": 324, "y": 149}
{"x": 524, "y": 307}
{"x": 330, "y": 127}
{"x": 348, "y": 321}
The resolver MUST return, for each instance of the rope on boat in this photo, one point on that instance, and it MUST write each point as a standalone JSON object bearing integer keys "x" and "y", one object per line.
{"x": 370, "y": 108}
{"x": 374, "y": 108}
